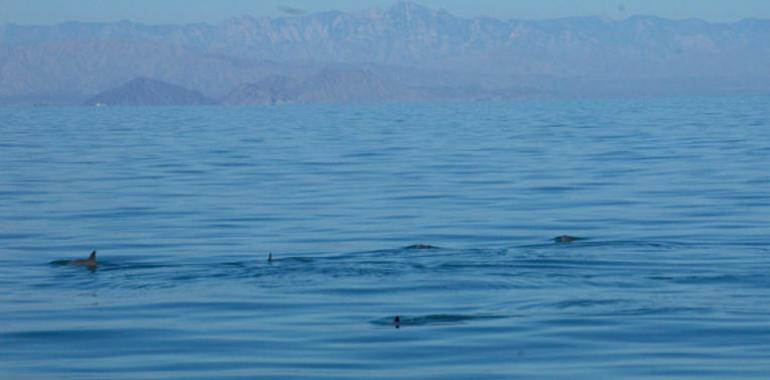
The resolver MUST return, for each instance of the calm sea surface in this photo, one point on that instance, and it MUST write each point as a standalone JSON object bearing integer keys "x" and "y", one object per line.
{"x": 183, "y": 206}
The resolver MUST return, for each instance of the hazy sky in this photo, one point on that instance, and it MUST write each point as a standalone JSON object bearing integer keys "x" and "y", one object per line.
{"x": 213, "y": 11}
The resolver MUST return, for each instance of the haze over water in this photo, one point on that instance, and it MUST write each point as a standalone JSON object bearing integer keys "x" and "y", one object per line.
{"x": 184, "y": 204}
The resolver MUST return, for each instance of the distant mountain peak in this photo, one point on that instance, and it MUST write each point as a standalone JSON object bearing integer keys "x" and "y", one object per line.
{"x": 239, "y": 21}
{"x": 143, "y": 80}
{"x": 146, "y": 91}
{"x": 407, "y": 5}
{"x": 409, "y": 9}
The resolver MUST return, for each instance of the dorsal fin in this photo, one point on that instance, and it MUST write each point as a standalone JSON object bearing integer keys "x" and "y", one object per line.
{"x": 93, "y": 256}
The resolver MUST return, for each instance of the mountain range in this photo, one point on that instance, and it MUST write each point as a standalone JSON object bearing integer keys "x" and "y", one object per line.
{"x": 403, "y": 53}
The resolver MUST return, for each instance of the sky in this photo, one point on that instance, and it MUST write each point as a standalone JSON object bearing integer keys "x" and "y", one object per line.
{"x": 214, "y": 11}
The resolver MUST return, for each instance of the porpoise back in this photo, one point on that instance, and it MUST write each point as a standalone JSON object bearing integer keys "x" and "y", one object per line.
{"x": 89, "y": 262}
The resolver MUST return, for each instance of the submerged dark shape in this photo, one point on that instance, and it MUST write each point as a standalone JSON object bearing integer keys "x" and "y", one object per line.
{"x": 565, "y": 239}
{"x": 270, "y": 257}
{"x": 431, "y": 320}
{"x": 90, "y": 262}
{"x": 421, "y": 246}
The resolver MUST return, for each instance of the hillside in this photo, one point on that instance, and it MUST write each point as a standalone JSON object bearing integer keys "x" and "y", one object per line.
{"x": 148, "y": 92}
{"x": 406, "y": 44}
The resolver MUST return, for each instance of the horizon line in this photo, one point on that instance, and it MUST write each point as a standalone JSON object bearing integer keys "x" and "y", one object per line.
{"x": 286, "y": 13}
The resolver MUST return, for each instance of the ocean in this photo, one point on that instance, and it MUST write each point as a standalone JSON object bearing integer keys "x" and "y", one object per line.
{"x": 441, "y": 214}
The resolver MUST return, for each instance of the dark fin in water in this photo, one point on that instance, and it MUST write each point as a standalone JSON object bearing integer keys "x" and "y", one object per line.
{"x": 421, "y": 246}
{"x": 565, "y": 239}
{"x": 90, "y": 262}
{"x": 397, "y": 322}
{"x": 270, "y": 257}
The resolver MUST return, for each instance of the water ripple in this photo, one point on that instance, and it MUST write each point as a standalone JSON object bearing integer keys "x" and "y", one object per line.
{"x": 443, "y": 215}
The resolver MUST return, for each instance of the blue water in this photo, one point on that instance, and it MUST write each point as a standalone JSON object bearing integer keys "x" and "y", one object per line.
{"x": 183, "y": 206}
